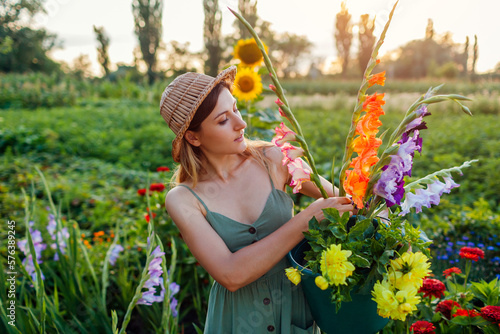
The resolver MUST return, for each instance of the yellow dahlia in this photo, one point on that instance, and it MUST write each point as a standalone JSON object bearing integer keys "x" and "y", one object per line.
{"x": 393, "y": 303}
{"x": 335, "y": 266}
{"x": 293, "y": 275}
{"x": 383, "y": 295}
{"x": 321, "y": 282}
{"x": 409, "y": 270}
{"x": 407, "y": 300}
{"x": 248, "y": 52}
{"x": 247, "y": 84}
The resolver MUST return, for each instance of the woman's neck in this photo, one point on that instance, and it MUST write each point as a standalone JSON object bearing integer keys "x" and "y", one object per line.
{"x": 223, "y": 168}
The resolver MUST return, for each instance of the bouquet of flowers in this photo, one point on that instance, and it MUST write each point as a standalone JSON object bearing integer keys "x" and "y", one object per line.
{"x": 378, "y": 251}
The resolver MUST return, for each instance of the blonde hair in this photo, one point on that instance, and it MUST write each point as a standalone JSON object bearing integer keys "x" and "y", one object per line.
{"x": 191, "y": 161}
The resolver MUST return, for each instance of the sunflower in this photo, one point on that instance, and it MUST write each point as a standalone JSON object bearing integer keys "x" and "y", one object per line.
{"x": 247, "y": 84}
{"x": 248, "y": 52}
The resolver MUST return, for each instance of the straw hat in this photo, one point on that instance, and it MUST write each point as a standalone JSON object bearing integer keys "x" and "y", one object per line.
{"x": 183, "y": 96}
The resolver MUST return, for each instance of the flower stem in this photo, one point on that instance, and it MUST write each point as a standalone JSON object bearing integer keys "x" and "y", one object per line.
{"x": 357, "y": 110}
{"x": 286, "y": 107}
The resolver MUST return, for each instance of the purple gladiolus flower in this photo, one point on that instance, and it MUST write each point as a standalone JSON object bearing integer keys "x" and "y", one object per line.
{"x": 173, "y": 307}
{"x": 39, "y": 246}
{"x": 115, "y": 252}
{"x": 427, "y": 197}
{"x": 155, "y": 271}
{"x": 63, "y": 236}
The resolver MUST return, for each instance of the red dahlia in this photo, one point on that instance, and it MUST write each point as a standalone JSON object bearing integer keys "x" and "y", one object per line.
{"x": 446, "y": 307}
{"x": 453, "y": 270}
{"x": 472, "y": 253}
{"x": 162, "y": 169}
{"x": 141, "y": 192}
{"x": 491, "y": 313}
{"x": 432, "y": 287}
{"x": 157, "y": 187}
{"x": 466, "y": 313}
{"x": 422, "y": 327}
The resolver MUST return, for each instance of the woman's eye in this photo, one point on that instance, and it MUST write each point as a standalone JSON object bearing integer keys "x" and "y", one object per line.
{"x": 224, "y": 121}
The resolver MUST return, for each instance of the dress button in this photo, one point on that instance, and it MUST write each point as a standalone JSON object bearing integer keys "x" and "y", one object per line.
{"x": 252, "y": 230}
{"x": 270, "y": 328}
{"x": 266, "y": 301}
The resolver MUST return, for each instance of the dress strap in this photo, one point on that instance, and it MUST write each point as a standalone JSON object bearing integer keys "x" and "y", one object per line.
{"x": 267, "y": 168}
{"x": 195, "y": 195}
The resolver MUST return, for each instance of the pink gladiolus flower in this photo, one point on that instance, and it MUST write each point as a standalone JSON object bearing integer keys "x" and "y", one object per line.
{"x": 291, "y": 152}
{"x": 272, "y": 87}
{"x": 300, "y": 174}
{"x": 279, "y": 103}
{"x": 283, "y": 135}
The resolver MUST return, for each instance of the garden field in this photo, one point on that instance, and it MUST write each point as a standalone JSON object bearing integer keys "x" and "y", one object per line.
{"x": 79, "y": 162}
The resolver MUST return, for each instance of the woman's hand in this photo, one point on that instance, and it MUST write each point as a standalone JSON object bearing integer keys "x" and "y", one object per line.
{"x": 343, "y": 204}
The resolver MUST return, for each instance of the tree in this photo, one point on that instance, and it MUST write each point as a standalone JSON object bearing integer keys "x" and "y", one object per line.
{"x": 429, "y": 30}
{"x": 343, "y": 36}
{"x": 289, "y": 49}
{"x": 148, "y": 27}
{"x": 212, "y": 36}
{"x": 475, "y": 55}
{"x": 22, "y": 47}
{"x": 465, "y": 57}
{"x": 102, "y": 49}
{"x": 366, "y": 40}
{"x": 248, "y": 9}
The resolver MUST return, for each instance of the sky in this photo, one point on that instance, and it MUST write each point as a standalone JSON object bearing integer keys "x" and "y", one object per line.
{"x": 72, "y": 21}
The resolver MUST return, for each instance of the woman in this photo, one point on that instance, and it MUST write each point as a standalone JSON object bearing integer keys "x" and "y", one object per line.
{"x": 232, "y": 211}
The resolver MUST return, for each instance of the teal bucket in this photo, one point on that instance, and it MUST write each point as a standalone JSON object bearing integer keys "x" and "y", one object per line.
{"x": 358, "y": 316}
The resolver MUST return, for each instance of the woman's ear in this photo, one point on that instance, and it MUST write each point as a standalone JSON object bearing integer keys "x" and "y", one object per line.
{"x": 192, "y": 138}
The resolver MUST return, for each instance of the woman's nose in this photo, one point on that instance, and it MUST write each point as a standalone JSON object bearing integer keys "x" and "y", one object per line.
{"x": 240, "y": 124}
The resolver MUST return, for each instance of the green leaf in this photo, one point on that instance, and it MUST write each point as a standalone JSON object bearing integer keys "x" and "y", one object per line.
{"x": 338, "y": 232}
{"x": 469, "y": 321}
{"x": 359, "y": 230}
{"x": 359, "y": 261}
{"x": 332, "y": 215}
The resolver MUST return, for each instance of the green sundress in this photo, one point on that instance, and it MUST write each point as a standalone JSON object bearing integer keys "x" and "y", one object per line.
{"x": 271, "y": 304}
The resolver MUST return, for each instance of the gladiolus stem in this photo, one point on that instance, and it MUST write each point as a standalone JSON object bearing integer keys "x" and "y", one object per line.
{"x": 286, "y": 107}
{"x": 361, "y": 98}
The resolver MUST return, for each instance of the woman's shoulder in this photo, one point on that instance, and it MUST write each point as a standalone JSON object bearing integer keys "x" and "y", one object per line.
{"x": 177, "y": 194}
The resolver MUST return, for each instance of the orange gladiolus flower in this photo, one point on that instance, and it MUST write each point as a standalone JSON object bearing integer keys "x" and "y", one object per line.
{"x": 355, "y": 185}
{"x": 368, "y": 125}
{"x": 368, "y": 145}
{"x": 362, "y": 164}
{"x": 374, "y": 103}
{"x": 376, "y": 79}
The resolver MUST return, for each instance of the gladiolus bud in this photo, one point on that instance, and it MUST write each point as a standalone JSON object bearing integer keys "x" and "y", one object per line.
{"x": 321, "y": 282}
{"x": 282, "y": 114}
{"x": 279, "y": 103}
{"x": 272, "y": 87}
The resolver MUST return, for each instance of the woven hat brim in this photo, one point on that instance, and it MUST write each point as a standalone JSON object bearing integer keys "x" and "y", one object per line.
{"x": 229, "y": 75}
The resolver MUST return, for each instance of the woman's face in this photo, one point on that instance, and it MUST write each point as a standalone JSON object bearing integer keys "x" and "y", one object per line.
{"x": 222, "y": 131}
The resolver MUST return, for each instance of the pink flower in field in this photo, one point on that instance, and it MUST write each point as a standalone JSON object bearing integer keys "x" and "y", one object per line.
{"x": 283, "y": 135}
{"x": 300, "y": 174}
{"x": 291, "y": 152}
